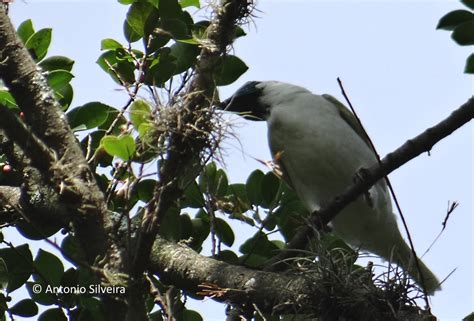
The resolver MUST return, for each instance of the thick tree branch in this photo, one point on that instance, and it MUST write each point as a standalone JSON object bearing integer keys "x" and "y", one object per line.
{"x": 368, "y": 177}
{"x": 39, "y": 203}
{"x": 42, "y": 157}
{"x": 9, "y": 195}
{"x": 297, "y": 293}
{"x": 70, "y": 174}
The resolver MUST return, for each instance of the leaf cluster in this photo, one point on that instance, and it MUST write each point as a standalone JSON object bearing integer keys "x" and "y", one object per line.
{"x": 164, "y": 44}
{"x": 461, "y": 24}
{"x": 56, "y": 69}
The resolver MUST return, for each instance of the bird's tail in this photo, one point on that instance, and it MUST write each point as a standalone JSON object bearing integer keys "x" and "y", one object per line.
{"x": 422, "y": 275}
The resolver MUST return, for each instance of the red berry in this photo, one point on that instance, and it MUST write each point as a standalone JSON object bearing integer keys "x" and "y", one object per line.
{"x": 22, "y": 115}
{"x": 6, "y": 169}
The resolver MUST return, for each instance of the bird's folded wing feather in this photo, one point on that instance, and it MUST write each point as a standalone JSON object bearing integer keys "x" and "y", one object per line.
{"x": 348, "y": 117}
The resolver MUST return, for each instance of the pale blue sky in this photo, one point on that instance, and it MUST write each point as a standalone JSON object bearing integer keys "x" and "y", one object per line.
{"x": 401, "y": 74}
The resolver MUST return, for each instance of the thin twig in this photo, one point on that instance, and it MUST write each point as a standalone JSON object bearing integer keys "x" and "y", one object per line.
{"x": 392, "y": 191}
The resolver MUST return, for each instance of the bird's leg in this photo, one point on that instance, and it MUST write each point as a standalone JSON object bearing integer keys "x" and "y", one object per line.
{"x": 360, "y": 176}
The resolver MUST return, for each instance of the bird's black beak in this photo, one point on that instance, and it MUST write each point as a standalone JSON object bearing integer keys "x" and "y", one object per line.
{"x": 224, "y": 104}
{"x": 245, "y": 102}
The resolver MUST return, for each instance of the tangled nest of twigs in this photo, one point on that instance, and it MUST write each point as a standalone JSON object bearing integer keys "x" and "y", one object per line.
{"x": 199, "y": 131}
{"x": 347, "y": 291}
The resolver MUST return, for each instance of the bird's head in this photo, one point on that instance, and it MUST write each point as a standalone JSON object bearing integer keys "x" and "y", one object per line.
{"x": 255, "y": 99}
{"x": 246, "y": 101}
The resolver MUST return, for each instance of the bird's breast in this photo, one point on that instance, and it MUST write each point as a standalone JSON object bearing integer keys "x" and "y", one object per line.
{"x": 319, "y": 151}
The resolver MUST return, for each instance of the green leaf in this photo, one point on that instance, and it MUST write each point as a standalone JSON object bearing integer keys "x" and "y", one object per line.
{"x": 48, "y": 268}
{"x": 469, "y": 317}
{"x": 239, "y": 32}
{"x": 90, "y": 115}
{"x": 38, "y": 43}
{"x": 270, "y": 186}
{"x": 69, "y": 280}
{"x": 224, "y": 232}
{"x": 468, "y": 3}
{"x": 339, "y": 249}
{"x": 169, "y": 227}
{"x": 162, "y": 68}
{"x": 155, "y": 3}
{"x": 463, "y": 34}
{"x": 190, "y": 3}
{"x": 25, "y": 308}
{"x": 157, "y": 42}
{"x": 70, "y": 277}
{"x": 191, "y": 315}
{"x": 193, "y": 197}
{"x": 207, "y": 178}
{"x": 129, "y": 33}
{"x": 152, "y": 25}
{"x": 94, "y": 308}
{"x": 140, "y": 112}
{"x": 259, "y": 244}
{"x": 118, "y": 119}
{"x": 65, "y": 95}
{"x": 222, "y": 183}
{"x": 7, "y": 99}
{"x": 19, "y": 262}
{"x": 3, "y": 274}
{"x": 185, "y": 55}
{"x": 55, "y": 314}
{"x": 170, "y": 9}
{"x": 201, "y": 229}
{"x": 121, "y": 70}
{"x": 252, "y": 260}
{"x": 145, "y": 189}
{"x": 454, "y": 18}
{"x": 227, "y": 256}
{"x": 213, "y": 181}
{"x": 228, "y": 70}
{"x": 186, "y": 226}
{"x": 37, "y": 230}
{"x": 58, "y": 79}
{"x": 137, "y": 16}
{"x": 39, "y": 294}
{"x": 110, "y": 44}
{"x": 469, "y": 69}
{"x": 122, "y": 147}
{"x": 289, "y": 216}
{"x": 126, "y": 72}
{"x": 57, "y": 63}
{"x": 126, "y": 2}
{"x": 253, "y": 187}
{"x": 25, "y": 30}
{"x": 143, "y": 131}
{"x": 72, "y": 249}
{"x": 176, "y": 27}
{"x": 238, "y": 195}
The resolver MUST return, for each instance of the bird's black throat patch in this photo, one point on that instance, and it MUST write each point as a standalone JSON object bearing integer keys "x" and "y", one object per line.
{"x": 246, "y": 102}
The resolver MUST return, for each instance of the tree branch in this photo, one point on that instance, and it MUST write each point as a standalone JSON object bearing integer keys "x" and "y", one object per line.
{"x": 193, "y": 117}
{"x": 187, "y": 145}
{"x": 301, "y": 292}
{"x": 9, "y": 195}
{"x": 69, "y": 174}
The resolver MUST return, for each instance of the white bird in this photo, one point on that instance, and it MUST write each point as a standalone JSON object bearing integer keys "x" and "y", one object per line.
{"x": 320, "y": 148}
